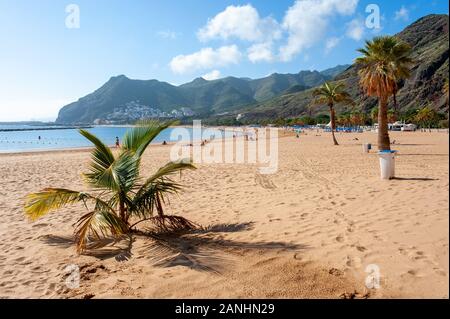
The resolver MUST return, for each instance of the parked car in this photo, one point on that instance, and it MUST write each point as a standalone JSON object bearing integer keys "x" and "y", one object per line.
{"x": 409, "y": 128}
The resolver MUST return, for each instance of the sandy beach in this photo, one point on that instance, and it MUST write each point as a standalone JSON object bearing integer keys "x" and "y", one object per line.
{"x": 308, "y": 231}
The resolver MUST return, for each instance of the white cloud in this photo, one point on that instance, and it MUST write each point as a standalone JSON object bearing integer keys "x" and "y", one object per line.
{"x": 305, "y": 23}
{"x": 241, "y": 22}
{"x": 213, "y": 75}
{"x": 307, "y": 20}
{"x": 167, "y": 34}
{"x": 402, "y": 14}
{"x": 260, "y": 52}
{"x": 355, "y": 29}
{"x": 331, "y": 43}
{"x": 206, "y": 58}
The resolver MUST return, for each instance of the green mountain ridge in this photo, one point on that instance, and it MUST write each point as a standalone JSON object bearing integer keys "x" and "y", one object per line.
{"x": 124, "y": 99}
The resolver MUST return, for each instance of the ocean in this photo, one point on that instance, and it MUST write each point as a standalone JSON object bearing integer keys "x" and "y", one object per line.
{"x": 27, "y": 138}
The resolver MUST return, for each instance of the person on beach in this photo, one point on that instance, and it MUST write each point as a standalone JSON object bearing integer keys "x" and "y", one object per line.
{"x": 164, "y": 143}
{"x": 117, "y": 142}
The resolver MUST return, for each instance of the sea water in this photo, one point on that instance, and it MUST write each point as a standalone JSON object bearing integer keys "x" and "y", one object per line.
{"x": 27, "y": 138}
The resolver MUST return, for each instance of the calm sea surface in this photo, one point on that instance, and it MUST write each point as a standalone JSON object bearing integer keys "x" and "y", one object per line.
{"x": 28, "y": 140}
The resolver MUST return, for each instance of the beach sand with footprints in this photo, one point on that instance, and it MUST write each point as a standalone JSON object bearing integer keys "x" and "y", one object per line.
{"x": 310, "y": 230}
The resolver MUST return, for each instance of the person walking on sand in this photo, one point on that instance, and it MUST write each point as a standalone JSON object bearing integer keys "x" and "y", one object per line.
{"x": 117, "y": 142}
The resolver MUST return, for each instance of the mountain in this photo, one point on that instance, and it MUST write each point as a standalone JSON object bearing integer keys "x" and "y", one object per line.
{"x": 333, "y": 72}
{"x": 429, "y": 39}
{"x": 122, "y": 99}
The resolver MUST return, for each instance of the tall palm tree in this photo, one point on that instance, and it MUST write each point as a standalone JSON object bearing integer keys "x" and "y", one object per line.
{"x": 384, "y": 63}
{"x": 119, "y": 196}
{"x": 331, "y": 94}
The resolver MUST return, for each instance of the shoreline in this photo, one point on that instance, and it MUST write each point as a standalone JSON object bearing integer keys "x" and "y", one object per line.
{"x": 81, "y": 148}
{"x": 85, "y": 148}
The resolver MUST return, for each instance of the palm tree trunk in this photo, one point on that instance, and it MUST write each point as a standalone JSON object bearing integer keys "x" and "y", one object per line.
{"x": 159, "y": 206}
{"x": 122, "y": 210}
{"x": 383, "y": 135}
{"x": 396, "y": 111}
{"x": 333, "y": 123}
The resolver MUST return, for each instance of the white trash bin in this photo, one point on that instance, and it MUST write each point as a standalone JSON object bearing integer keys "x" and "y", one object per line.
{"x": 387, "y": 164}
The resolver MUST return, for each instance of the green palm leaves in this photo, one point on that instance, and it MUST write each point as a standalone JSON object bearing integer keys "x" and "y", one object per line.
{"x": 385, "y": 60}
{"x": 332, "y": 93}
{"x": 120, "y": 194}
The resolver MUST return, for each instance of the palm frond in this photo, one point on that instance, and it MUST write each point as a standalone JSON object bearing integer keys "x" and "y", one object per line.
{"x": 170, "y": 224}
{"x": 171, "y": 168}
{"x": 150, "y": 197}
{"x": 102, "y": 160}
{"x": 98, "y": 225}
{"x": 157, "y": 187}
{"x": 139, "y": 137}
{"x": 385, "y": 60}
{"x": 102, "y": 154}
{"x": 332, "y": 93}
{"x": 39, "y": 204}
{"x": 119, "y": 176}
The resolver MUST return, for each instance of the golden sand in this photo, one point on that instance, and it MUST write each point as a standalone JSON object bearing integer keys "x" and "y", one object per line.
{"x": 309, "y": 230}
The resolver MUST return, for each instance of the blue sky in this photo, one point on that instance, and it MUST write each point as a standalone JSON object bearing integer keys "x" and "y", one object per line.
{"x": 45, "y": 64}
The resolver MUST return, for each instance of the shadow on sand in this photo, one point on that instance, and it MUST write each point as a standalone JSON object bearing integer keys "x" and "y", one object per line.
{"x": 409, "y": 154}
{"x": 120, "y": 249}
{"x": 202, "y": 249}
{"x": 414, "y": 179}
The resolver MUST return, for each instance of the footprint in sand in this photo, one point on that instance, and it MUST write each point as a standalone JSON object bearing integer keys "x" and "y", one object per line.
{"x": 336, "y": 272}
{"x": 353, "y": 262}
{"x": 361, "y": 248}
{"x": 340, "y": 239}
{"x": 350, "y": 228}
{"x": 264, "y": 181}
{"x": 40, "y": 225}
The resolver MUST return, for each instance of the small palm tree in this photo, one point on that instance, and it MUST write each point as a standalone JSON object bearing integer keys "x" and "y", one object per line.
{"x": 331, "y": 94}
{"x": 119, "y": 196}
{"x": 384, "y": 63}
